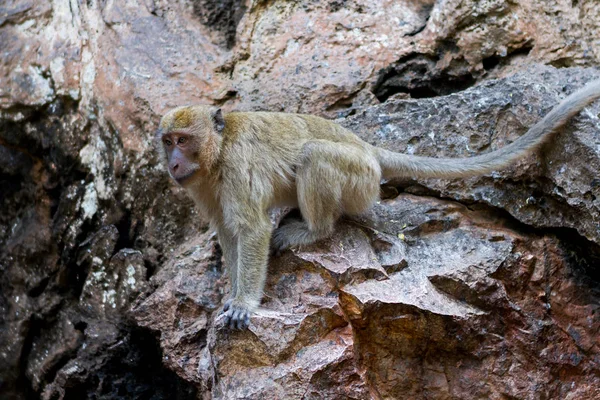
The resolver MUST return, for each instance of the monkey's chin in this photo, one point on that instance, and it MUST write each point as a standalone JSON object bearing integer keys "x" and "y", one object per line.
{"x": 186, "y": 179}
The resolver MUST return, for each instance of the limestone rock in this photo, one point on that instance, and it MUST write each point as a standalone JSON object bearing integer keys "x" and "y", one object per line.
{"x": 111, "y": 286}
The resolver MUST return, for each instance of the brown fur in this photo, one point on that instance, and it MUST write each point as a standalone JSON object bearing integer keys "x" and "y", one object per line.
{"x": 243, "y": 164}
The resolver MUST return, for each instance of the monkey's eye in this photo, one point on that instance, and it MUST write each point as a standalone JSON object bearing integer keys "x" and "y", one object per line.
{"x": 181, "y": 140}
{"x": 168, "y": 142}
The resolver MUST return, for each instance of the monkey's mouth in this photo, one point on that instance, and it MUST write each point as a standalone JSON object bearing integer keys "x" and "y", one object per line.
{"x": 185, "y": 178}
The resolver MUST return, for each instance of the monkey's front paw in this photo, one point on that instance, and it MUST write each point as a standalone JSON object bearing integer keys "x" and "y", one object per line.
{"x": 236, "y": 316}
{"x": 227, "y": 304}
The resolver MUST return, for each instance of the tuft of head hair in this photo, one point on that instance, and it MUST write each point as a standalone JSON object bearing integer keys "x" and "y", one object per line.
{"x": 178, "y": 118}
{"x": 182, "y": 118}
{"x": 189, "y": 117}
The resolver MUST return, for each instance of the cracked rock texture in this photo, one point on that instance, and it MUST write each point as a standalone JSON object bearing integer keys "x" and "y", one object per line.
{"x": 481, "y": 288}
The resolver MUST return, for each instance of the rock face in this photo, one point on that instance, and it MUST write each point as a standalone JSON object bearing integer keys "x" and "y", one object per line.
{"x": 478, "y": 288}
{"x": 554, "y": 188}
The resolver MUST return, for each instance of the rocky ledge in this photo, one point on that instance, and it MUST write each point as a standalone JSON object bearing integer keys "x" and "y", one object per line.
{"x": 483, "y": 288}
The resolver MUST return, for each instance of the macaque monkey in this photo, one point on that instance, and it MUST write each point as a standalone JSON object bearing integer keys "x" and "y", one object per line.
{"x": 237, "y": 166}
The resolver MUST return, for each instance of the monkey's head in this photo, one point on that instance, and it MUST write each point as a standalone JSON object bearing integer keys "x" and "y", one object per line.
{"x": 189, "y": 139}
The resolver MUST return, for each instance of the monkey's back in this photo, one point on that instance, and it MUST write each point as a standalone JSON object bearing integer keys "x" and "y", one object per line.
{"x": 275, "y": 127}
{"x": 270, "y": 147}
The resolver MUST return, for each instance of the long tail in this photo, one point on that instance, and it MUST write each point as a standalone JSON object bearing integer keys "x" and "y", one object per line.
{"x": 396, "y": 165}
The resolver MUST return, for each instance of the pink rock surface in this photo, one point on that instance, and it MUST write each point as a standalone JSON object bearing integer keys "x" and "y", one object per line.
{"x": 111, "y": 286}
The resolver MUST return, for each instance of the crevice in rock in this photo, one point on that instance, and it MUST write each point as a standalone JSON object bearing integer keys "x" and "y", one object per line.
{"x": 229, "y": 95}
{"x": 563, "y": 62}
{"x": 337, "y": 5}
{"x": 418, "y": 30}
{"x": 33, "y": 162}
{"x": 151, "y": 267}
{"x": 126, "y": 237}
{"x": 222, "y": 17}
{"x": 37, "y": 142}
{"x": 419, "y": 76}
{"x": 81, "y": 326}
{"x": 23, "y": 382}
{"x": 133, "y": 370}
{"x": 491, "y": 62}
{"x": 216, "y": 258}
{"x": 425, "y": 14}
{"x": 343, "y": 106}
{"x": 582, "y": 254}
{"x": 39, "y": 288}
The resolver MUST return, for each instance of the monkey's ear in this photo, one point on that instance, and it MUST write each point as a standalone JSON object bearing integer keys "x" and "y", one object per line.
{"x": 218, "y": 120}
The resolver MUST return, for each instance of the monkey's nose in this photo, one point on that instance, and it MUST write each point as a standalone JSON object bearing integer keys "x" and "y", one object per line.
{"x": 174, "y": 167}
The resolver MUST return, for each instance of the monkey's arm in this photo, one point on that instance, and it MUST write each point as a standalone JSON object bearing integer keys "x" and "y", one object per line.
{"x": 253, "y": 251}
{"x": 228, "y": 242}
{"x": 404, "y": 165}
{"x": 244, "y": 208}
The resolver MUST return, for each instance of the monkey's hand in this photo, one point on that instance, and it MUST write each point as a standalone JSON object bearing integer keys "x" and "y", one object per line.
{"x": 237, "y": 315}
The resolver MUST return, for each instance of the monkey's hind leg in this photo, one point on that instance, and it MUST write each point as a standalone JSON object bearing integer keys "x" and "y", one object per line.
{"x": 333, "y": 179}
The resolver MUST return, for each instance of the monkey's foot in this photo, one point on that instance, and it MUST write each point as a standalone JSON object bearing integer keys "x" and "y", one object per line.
{"x": 278, "y": 243}
{"x": 288, "y": 235}
{"x": 296, "y": 233}
{"x": 236, "y": 316}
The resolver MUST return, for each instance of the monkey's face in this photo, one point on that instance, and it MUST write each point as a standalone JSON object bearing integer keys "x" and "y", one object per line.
{"x": 189, "y": 138}
{"x": 181, "y": 150}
